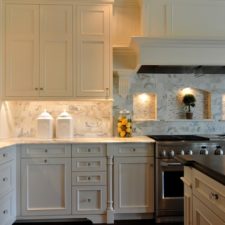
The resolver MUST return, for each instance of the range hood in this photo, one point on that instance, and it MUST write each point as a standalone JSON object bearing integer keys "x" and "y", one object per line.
{"x": 163, "y": 55}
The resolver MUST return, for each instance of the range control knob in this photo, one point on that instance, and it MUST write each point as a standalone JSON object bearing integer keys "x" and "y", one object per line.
{"x": 172, "y": 153}
{"x": 163, "y": 153}
{"x": 204, "y": 151}
{"x": 190, "y": 152}
{"x": 182, "y": 152}
{"x": 219, "y": 150}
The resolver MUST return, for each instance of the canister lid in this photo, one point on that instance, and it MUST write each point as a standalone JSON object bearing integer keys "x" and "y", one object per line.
{"x": 45, "y": 115}
{"x": 64, "y": 115}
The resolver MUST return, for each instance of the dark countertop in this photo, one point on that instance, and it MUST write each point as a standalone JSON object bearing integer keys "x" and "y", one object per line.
{"x": 211, "y": 165}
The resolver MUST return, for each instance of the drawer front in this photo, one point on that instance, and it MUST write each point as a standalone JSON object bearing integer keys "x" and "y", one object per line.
{"x": 88, "y": 164}
{"x": 88, "y": 200}
{"x": 7, "y": 154}
{"x": 7, "y": 177}
{"x": 88, "y": 178}
{"x": 134, "y": 150}
{"x": 7, "y": 211}
{"x": 87, "y": 150}
{"x": 46, "y": 150}
{"x": 210, "y": 192}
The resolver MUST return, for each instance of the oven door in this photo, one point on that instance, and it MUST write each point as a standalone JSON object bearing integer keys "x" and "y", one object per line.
{"x": 169, "y": 188}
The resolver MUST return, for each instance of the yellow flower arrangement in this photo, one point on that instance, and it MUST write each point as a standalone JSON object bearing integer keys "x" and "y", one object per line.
{"x": 124, "y": 126}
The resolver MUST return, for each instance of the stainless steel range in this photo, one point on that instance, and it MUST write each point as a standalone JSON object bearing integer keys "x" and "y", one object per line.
{"x": 168, "y": 186}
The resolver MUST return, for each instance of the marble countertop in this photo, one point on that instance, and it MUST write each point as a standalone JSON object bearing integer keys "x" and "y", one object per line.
{"x": 77, "y": 140}
{"x": 211, "y": 165}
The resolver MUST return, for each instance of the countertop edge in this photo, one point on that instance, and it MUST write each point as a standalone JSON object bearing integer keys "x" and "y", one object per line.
{"x": 219, "y": 177}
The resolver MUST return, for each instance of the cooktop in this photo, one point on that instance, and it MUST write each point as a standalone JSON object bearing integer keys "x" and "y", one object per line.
{"x": 178, "y": 138}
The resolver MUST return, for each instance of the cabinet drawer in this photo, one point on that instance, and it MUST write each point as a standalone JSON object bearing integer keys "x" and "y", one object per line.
{"x": 88, "y": 200}
{"x": 134, "y": 150}
{"x": 88, "y": 178}
{"x": 210, "y": 192}
{"x": 7, "y": 211}
{"x": 88, "y": 164}
{"x": 41, "y": 150}
{"x": 7, "y": 177}
{"x": 7, "y": 154}
{"x": 87, "y": 150}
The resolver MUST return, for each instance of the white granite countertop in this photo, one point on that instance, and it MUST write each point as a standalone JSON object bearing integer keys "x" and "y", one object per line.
{"x": 77, "y": 140}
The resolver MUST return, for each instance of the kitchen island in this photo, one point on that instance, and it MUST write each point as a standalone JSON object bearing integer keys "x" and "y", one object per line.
{"x": 204, "y": 189}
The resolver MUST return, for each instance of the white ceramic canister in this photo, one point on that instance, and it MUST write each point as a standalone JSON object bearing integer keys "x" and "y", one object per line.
{"x": 45, "y": 125}
{"x": 64, "y": 125}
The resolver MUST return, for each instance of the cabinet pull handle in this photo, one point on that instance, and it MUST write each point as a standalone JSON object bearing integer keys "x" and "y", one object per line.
{"x": 46, "y": 150}
{"x": 5, "y": 211}
{"x": 4, "y": 155}
{"x": 89, "y": 150}
{"x": 213, "y": 196}
{"x": 89, "y": 178}
{"x": 45, "y": 160}
{"x": 41, "y": 88}
{"x": 89, "y": 200}
{"x": 89, "y": 164}
{"x": 36, "y": 89}
{"x": 5, "y": 179}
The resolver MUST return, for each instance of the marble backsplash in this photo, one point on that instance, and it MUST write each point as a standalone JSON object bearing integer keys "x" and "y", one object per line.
{"x": 90, "y": 118}
{"x": 166, "y": 88}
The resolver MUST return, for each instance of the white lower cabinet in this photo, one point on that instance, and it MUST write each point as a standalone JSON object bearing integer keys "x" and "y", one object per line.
{"x": 7, "y": 209}
{"x": 7, "y": 186}
{"x": 89, "y": 199}
{"x": 133, "y": 178}
{"x": 89, "y": 179}
{"x": 45, "y": 185}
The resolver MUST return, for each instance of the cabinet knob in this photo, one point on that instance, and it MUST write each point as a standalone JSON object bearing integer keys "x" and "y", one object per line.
{"x": 36, "y": 89}
{"x": 5, "y": 211}
{"x": 89, "y": 178}
{"x": 89, "y": 164}
{"x": 4, "y": 179}
{"x": 41, "y": 88}
{"x": 134, "y": 150}
{"x": 89, "y": 150}
{"x": 45, "y": 160}
{"x": 4, "y": 155}
{"x": 46, "y": 150}
{"x": 89, "y": 200}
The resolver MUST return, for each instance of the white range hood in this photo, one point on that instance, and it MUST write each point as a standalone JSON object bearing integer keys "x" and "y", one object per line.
{"x": 163, "y": 55}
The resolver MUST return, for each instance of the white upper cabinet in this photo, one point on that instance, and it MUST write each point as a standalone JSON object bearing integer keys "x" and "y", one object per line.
{"x": 57, "y": 50}
{"x": 183, "y": 18}
{"x": 93, "y": 51}
{"x": 38, "y": 50}
{"x": 22, "y": 50}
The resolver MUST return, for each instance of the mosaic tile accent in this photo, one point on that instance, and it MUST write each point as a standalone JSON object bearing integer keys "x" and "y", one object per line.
{"x": 166, "y": 88}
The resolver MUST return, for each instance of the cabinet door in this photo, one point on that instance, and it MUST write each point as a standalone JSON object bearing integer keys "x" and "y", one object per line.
{"x": 46, "y": 186}
{"x": 22, "y": 50}
{"x": 134, "y": 184}
{"x": 56, "y": 50}
{"x": 93, "y": 51}
{"x": 204, "y": 216}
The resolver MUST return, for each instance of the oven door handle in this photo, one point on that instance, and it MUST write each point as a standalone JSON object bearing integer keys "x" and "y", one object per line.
{"x": 164, "y": 164}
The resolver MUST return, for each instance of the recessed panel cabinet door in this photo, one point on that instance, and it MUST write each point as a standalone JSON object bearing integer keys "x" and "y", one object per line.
{"x": 133, "y": 184}
{"x": 93, "y": 51}
{"x": 22, "y": 50}
{"x": 46, "y": 186}
{"x": 56, "y": 50}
